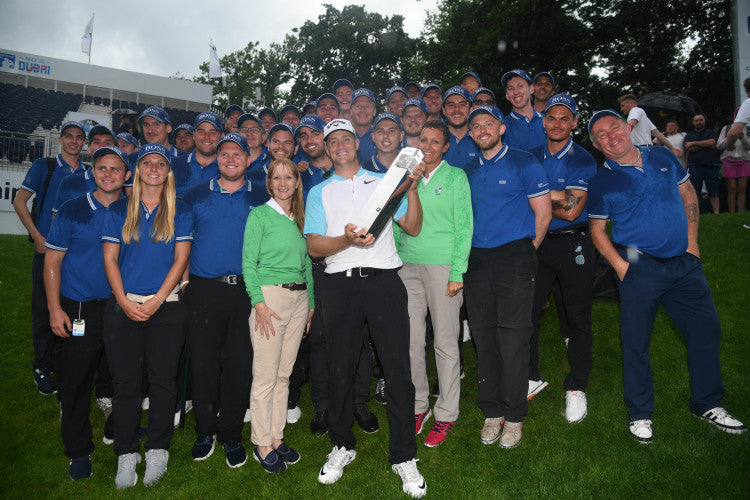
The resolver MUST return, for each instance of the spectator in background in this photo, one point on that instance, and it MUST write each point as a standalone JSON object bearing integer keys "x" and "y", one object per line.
{"x": 413, "y": 117}
{"x": 232, "y": 114}
{"x": 735, "y": 167}
{"x": 413, "y": 89}
{"x": 267, "y": 117}
{"x": 642, "y": 129}
{"x": 544, "y": 88}
{"x": 363, "y": 113}
{"x": 343, "y": 90}
{"x": 702, "y": 162}
{"x": 128, "y": 143}
{"x": 470, "y": 81}
{"x": 327, "y": 107}
{"x": 432, "y": 95}
{"x": 395, "y": 97}
{"x": 676, "y": 138}
{"x": 290, "y": 114}
{"x": 524, "y": 123}
{"x": 183, "y": 137}
{"x": 482, "y": 96}
{"x": 462, "y": 149}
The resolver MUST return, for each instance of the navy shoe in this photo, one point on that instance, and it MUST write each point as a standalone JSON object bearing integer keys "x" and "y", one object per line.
{"x": 287, "y": 454}
{"x": 203, "y": 447}
{"x": 236, "y": 454}
{"x": 272, "y": 463}
{"x": 44, "y": 382}
{"x": 80, "y": 468}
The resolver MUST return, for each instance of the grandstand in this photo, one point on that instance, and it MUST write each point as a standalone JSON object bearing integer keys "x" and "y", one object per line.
{"x": 38, "y": 94}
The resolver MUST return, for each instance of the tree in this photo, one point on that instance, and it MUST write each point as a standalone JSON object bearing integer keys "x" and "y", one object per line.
{"x": 366, "y": 48}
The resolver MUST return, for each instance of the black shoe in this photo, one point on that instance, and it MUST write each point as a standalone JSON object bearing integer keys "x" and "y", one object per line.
{"x": 80, "y": 468}
{"x": 44, "y": 382}
{"x": 435, "y": 389}
{"x": 380, "y": 391}
{"x": 203, "y": 447}
{"x": 289, "y": 455}
{"x": 366, "y": 419}
{"x": 319, "y": 422}
{"x": 236, "y": 454}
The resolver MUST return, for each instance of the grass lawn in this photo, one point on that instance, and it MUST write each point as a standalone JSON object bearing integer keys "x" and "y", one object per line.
{"x": 595, "y": 458}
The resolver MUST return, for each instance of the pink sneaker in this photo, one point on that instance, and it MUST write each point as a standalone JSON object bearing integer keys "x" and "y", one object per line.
{"x": 420, "y": 419}
{"x": 438, "y": 433}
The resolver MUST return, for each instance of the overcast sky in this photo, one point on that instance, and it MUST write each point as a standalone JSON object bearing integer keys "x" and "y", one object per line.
{"x": 166, "y": 37}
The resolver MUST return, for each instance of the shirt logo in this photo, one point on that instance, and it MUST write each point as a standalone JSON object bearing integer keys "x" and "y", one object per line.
{"x": 560, "y": 180}
{"x": 663, "y": 169}
{"x": 438, "y": 191}
{"x": 502, "y": 181}
{"x": 371, "y": 180}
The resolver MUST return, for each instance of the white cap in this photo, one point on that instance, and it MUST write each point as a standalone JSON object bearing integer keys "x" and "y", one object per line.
{"x": 338, "y": 124}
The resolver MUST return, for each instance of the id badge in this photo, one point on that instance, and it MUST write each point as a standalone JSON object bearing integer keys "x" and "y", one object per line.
{"x": 79, "y": 327}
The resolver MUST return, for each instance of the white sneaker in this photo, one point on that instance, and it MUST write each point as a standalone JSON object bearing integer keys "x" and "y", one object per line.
{"x": 293, "y": 415}
{"x": 144, "y": 403}
{"x": 535, "y": 387}
{"x": 575, "y": 406}
{"x": 414, "y": 484}
{"x": 247, "y": 416}
{"x": 334, "y": 466}
{"x": 126, "y": 475}
{"x": 723, "y": 420}
{"x": 641, "y": 430}
{"x": 491, "y": 429}
{"x": 105, "y": 405}
{"x": 156, "y": 466}
{"x": 512, "y": 434}
{"x": 466, "y": 334}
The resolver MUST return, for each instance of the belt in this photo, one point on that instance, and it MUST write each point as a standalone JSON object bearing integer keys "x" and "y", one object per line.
{"x": 574, "y": 229}
{"x": 141, "y": 299}
{"x": 658, "y": 259}
{"x": 363, "y": 272}
{"x": 232, "y": 279}
{"x": 294, "y": 286}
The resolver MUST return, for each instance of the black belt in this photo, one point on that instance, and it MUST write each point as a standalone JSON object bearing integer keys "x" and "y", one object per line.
{"x": 658, "y": 259}
{"x": 363, "y": 272}
{"x": 574, "y": 229}
{"x": 294, "y": 286}
{"x": 232, "y": 279}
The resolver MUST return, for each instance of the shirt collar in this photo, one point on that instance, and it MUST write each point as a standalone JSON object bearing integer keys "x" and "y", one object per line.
{"x": 499, "y": 156}
{"x": 559, "y": 155}
{"x": 610, "y": 164}
{"x": 275, "y": 205}
{"x": 63, "y": 163}
{"x": 214, "y": 185}
{"x": 519, "y": 116}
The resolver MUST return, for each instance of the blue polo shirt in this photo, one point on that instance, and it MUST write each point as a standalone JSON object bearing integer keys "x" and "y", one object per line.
{"x": 375, "y": 165}
{"x": 188, "y": 172}
{"x": 571, "y": 168}
{"x": 703, "y": 157}
{"x": 34, "y": 183}
{"x": 500, "y": 192}
{"x": 219, "y": 219}
{"x": 133, "y": 160}
{"x": 366, "y": 146}
{"x": 74, "y": 186}
{"x": 461, "y": 151}
{"x": 312, "y": 176}
{"x": 256, "y": 173}
{"x": 522, "y": 133}
{"x": 644, "y": 204}
{"x": 144, "y": 264}
{"x": 77, "y": 231}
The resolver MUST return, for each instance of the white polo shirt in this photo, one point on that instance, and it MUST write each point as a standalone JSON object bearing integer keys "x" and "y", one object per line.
{"x": 333, "y": 204}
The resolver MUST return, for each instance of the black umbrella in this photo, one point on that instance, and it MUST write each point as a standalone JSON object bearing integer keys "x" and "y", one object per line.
{"x": 671, "y": 102}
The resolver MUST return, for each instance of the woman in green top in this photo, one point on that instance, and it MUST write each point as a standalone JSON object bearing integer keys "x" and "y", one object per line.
{"x": 278, "y": 277}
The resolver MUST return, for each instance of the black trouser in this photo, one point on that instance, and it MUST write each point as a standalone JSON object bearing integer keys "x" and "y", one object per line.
{"x": 132, "y": 345}
{"x": 221, "y": 355}
{"x": 79, "y": 358}
{"x": 45, "y": 342}
{"x": 380, "y": 301}
{"x": 569, "y": 258}
{"x": 499, "y": 288}
{"x": 319, "y": 386}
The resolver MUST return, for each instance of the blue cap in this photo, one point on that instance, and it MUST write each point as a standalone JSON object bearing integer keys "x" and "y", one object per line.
{"x": 483, "y": 90}
{"x": 267, "y": 111}
{"x": 308, "y": 105}
{"x": 209, "y": 117}
{"x": 515, "y": 72}
{"x": 154, "y": 148}
{"x": 387, "y": 116}
{"x": 156, "y": 113}
{"x": 311, "y": 121}
{"x": 493, "y": 111}
{"x": 602, "y": 114}
{"x": 75, "y": 124}
{"x": 393, "y": 90}
{"x": 282, "y": 126}
{"x": 457, "y": 90}
{"x": 468, "y": 74}
{"x": 342, "y": 82}
{"x": 326, "y": 95}
{"x": 232, "y": 108}
{"x": 101, "y": 130}
{"x": 235, "y": 138}
{"x": 416, "y": 102}
{"x": 111, "y": 150}
{"x": 247, "y": 116}
{"x": 544, "y": 73}
{"x": 413, "y": 84}
{"x": 290, "y": 107}
{"x": 182, "y": 126}
{"x": 129, "y": 138}
{"x": 363, "y": 92}
{"x": 431, "y": 86}
{"x": 562, "y": 100}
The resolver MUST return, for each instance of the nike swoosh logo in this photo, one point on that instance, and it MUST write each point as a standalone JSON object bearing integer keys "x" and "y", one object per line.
{"x": 368, "y": 182}
{"x": 322, "y": 472}
{"x": 423, "y": 485}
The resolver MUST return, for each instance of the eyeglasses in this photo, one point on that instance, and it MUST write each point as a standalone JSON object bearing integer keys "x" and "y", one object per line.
{"x": 482, "y": 102}
{"x": 250, "y": 130}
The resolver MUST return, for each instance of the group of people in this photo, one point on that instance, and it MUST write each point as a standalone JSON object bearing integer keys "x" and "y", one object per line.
{"x": 224, "y": 257}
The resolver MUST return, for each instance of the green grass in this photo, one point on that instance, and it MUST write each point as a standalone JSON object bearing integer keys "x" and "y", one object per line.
{"x": 596, "y": 458}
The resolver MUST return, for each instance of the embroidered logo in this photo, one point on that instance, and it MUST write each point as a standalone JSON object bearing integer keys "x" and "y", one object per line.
{"x": 438, "y": 191}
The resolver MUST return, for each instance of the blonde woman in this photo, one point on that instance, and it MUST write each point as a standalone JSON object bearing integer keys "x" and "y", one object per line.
{"x": 146, "y": 244}
{"x": 278, "y": 277}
